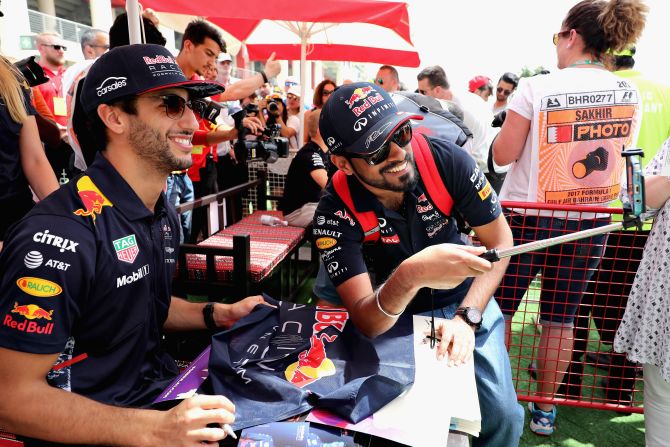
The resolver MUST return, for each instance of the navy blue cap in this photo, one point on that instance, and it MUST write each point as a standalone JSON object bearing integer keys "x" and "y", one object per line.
{"x": 358, "y": 118}
{"x": 135, "y": 69}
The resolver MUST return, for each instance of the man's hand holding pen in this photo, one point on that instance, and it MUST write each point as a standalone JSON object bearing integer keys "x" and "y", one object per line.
{"x": 455, "y": 338}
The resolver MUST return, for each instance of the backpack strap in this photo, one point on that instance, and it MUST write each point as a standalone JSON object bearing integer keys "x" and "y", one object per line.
{"x": 366, "y": 219}
{"x": 425, "y": 163}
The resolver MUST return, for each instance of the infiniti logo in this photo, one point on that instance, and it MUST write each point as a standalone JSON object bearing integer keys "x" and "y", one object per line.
{"x": 332, "y": 267}
{"x": 360, "y": 124}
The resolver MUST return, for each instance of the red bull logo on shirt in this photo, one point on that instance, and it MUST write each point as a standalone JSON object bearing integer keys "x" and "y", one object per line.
{"x": 32, "y": 311}
{"x": 38, "y": 287}
{"x": 29, "y": 312}
{"x": 91, "y": 197}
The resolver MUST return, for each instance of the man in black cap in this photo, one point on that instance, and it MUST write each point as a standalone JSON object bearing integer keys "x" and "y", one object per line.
{"x": 421, "y": 265}
{"x": 86, "y": 274}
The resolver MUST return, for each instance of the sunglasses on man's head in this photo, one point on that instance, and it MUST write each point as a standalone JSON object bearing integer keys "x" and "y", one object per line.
{"x": 504, "y": 91}
{"x": 56, "y": 47}
{"x": 175, "y": 105}
{"x": 402, "y": 137}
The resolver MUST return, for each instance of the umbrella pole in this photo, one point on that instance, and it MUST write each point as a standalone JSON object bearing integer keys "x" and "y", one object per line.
{"x": 303, "y": 63}
{"x": 133, "y": 11}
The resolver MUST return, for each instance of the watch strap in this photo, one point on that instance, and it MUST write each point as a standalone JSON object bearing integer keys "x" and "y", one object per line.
{"x": 208, "y": 316}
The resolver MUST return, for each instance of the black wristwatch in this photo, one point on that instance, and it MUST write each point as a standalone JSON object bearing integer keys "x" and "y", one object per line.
{"x": 208, "y": 315}
{"x": 471, "y": 315}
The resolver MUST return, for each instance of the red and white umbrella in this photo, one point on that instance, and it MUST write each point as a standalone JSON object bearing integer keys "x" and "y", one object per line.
{"x": 343, "y": 30}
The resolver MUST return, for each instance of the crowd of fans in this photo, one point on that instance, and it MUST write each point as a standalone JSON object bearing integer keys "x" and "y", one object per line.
{"x": 55, "y": 130}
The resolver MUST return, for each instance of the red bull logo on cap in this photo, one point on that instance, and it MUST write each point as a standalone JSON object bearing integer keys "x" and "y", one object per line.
{"x": 91, "y": 197}
{"x": 29, "y": 312}
{"x": 368, "y": 95}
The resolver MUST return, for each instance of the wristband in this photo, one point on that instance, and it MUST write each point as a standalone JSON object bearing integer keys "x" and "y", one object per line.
{"x": 265, "y": 77}
{"x": 379, "y": 306}
{"x": 208, "y": 316}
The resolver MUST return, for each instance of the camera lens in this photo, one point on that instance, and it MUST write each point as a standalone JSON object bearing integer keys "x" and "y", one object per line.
{"x": 273, "y": 107}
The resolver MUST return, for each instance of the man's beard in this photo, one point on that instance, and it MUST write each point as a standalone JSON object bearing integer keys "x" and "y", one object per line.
{"x": 407, "y": 182}
{"x": 154, "y": 149}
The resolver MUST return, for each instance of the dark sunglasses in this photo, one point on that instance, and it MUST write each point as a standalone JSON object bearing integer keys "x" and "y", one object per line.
{"x": 175, "y": 105}
{"x": 56, "y": 47}
{"x": 379, "y": 81}
{"x": 557, "y": 35}
{"x": 327, "y": 92}
{"x": 504, "y": 91}
{"x": 106, "y": 47}
{"x": 401, "y": 137}
{"x": 291, "y": 96}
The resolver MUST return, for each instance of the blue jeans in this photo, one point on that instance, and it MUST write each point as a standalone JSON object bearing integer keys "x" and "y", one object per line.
{"x": 566, "y": 268}
{"x": 180, "y": 190}
{"x": 502, "y": 416}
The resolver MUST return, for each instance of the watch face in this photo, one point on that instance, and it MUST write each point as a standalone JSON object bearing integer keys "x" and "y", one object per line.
{"x": 473, "y": 315}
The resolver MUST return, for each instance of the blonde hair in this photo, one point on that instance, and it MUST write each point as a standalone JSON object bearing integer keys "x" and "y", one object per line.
{"x": 11, "y": 94}
{"x": 40, "y": 37}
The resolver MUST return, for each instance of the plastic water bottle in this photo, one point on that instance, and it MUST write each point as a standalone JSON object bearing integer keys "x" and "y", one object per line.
{"x": 272, "y": 221}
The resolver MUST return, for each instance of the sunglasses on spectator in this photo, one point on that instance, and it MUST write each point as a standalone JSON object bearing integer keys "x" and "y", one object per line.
{"x": 175, "y": 105}
{"x": 379, "y": 81}
{"x": 504, "y": 91}
{"x": 327, "y": 92}
{"x": 56, "y": 47}
{"x": 558, "y": 35}
{"x": 106, "y": 47}
{"x": 401, "y": 137}
{"x": 292, "y": 96}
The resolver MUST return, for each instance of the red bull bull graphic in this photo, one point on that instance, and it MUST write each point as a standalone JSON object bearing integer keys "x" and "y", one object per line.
{"x": 30, "y": 312}
{"x": 368, "y": 95}
{"x": 91, "y": 197}
{"x": 38, "y": 287}
{"x": 313, "y": 363}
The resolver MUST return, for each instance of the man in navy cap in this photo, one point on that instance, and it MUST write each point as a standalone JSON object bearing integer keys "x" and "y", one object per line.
{"x": 421, "y": 265}
{"x": 86, "y": 274}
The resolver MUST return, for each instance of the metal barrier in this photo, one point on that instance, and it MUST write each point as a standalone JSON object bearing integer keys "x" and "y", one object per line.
{"x": 69, "y": 30}
{"x": 595, "y": 275}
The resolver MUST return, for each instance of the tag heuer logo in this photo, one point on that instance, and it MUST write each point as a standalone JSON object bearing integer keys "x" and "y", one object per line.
{"x": 126, "y": 248}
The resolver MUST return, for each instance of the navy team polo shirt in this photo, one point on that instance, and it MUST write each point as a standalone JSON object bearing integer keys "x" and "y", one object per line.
{"x": 87, "y": 274}
{"x": 416, "y": 226}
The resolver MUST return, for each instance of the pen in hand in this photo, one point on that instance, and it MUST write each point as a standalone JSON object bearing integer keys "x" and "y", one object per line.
{"x": 229, "y": 431}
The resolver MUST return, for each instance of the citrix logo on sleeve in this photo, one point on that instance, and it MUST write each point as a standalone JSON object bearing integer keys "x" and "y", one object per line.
{"x": 45, "y": 237}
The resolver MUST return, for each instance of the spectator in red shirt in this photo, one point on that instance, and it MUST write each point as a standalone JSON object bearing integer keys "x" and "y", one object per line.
{"x": 52, "y": 59}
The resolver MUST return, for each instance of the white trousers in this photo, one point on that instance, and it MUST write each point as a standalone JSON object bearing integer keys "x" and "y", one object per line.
{"x": 656, "y": 407}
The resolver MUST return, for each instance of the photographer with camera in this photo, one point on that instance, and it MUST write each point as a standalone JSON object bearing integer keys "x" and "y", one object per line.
{"x": 201, "y": 45}
{"x": 268, "y": 145}
{"x": 277, "y": 113}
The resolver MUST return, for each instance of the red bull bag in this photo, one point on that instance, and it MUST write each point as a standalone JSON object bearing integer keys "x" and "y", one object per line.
{"x": 277, "y": 363}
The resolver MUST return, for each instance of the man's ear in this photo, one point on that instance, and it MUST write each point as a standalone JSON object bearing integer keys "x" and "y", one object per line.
{"x": 341, "y": 163}
{"x": 112, "y": 118}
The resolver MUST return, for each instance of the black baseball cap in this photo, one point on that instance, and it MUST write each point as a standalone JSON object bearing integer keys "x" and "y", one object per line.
{"x": 135, "y": 69}
{"x": 358, "y": 118}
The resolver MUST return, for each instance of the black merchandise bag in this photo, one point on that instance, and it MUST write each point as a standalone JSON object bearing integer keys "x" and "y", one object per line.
{"x": 277, "y": 363}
